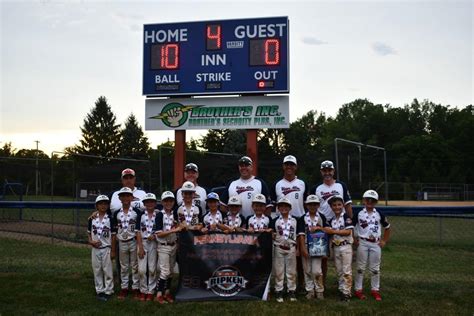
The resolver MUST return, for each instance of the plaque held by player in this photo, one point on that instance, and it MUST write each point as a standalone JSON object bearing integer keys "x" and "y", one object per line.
{"x": 317, "y": 244}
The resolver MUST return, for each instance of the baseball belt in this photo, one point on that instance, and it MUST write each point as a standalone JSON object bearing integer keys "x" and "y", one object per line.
{"x": 370, "y": 239}
{"x": 167, "y": 243}
{"x": 128, "y": 240}
{"x": 339, "y": 243}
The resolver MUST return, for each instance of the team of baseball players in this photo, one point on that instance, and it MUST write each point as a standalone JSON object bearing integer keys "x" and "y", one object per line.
{"x": 147, "y": 237}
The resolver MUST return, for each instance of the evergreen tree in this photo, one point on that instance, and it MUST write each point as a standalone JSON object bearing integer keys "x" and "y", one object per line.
{"x": 100, "y": 133}
{"x": 134, "y": 143}
{"x": 7, "y": 150}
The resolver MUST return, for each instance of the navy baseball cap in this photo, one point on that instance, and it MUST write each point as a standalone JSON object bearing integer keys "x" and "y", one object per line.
{"x": 191, "y": 166}
{"x": 327, "y": 164}
{"x": 245, "y": 160}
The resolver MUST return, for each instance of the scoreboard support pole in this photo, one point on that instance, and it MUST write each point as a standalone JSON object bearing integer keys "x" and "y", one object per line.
{"x": 252, "y": 149}
{"x": 179, "y": 157}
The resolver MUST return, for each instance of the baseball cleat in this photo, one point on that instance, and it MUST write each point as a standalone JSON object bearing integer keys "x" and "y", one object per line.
{"x": 359, "y": 295}
{"x": 376, "y": 295}
{"x": 169, "y": 298}
{"x": 122, "y": 294}
{"x": 309, "y": 295}
{"x": 142, "y": 297}
{"x": 149, "y": 297}
{"x": 101, "y": 297}
{"x": 320, "y": 296}
{"x": 292, "y": 296}
{"x": 279, "y": 297}
{"x": 160, "y": 299}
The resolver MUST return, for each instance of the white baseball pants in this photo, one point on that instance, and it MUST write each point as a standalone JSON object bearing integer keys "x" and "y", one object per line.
{"x": 103, "y": 273}
{"x": 148, "y": 281}
{"x": 128, "y": 259}
{"x": 343, "y": 262}
{"x": 166, "y": 260}
{"x": 371, "y": 253}
{"x": 284, "y": 263}
{"x": 313, "y": 275}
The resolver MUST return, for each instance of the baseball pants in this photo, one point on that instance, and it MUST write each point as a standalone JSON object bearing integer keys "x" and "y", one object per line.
{"x": 284, "y": 263}
{"x": 313, "y": 275}
{"x": 128, "y": 259}
{"x": 148, "y": 281}
{"x": 166, "y": 260}
{"x": 103, "y": 273}
{"x": 371, "y": 253}
{"x": 343, "y": 262}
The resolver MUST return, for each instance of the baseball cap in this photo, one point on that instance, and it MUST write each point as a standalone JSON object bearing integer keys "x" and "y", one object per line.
{"x": 167, "y": 195}
{"x": 284, "y": 200}
{"x": 149, "y": 196}
{"x": 191, "y": 166}
{"x": 259, "y": 198}
{"x": 212, "y": 196}
{"x": 335, "y": 198}
{"x": 290, "y": 158}
{"x": 245, "y": 160}
{"x": 327, "y": 164}
{"x": 312, "y": 199}
{"x": 188, "y": 186}
{"x": 101, "y": 198}
{"x": 125, "y": 190}
{"x": 234, "y": 200}
{"x": 371, "y": 194}
{"x": 128, "y": 171}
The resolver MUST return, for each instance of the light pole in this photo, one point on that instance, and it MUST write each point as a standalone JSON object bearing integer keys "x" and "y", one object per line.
{"x": 37, "y": 171}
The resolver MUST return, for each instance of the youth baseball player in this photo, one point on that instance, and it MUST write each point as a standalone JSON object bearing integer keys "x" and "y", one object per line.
{"x": 191, "y": 173}
{"x": 246, "y": 187}
{"x": 166, "y": 231}
{"x": 340, "y": 228}
{"x": 147, "y": 253}
{"x": 99, "y": 230}
{"x": 125, "y": 222}
{"x": 259, "y": 222}
{"x": 369, "y": 223}
{"x": 287, "y": 229}
{"x": 189, "y": 214}
{"x": 233, "y": 220}
{"x": 312, "y": 221}
{"x": 213, "y": 220}
{"x": 128, "y": 180}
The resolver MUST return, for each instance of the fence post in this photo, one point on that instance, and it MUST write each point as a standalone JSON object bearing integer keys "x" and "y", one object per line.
{"x": 440, "y": 228}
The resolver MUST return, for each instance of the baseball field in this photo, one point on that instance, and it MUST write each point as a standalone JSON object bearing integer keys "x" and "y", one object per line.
{"x": 423, "y": 272}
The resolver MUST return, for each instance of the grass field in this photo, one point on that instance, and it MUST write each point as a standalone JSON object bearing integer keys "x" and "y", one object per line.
{"x": 52, "y": 279}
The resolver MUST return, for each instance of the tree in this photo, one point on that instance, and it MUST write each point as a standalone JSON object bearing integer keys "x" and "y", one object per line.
{"x": 100, "y": 133}
{"x": 7, "y": 150}
{"x": 31, "y": 153}
{"x": 134, "y": 143}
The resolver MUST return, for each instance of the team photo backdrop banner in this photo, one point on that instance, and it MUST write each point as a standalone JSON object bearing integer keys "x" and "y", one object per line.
{"x": 252, "y": 112}
{"x": 220, "y": 266}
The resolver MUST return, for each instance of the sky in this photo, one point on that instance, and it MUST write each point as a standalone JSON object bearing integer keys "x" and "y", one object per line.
{"x": 58, "y": 57}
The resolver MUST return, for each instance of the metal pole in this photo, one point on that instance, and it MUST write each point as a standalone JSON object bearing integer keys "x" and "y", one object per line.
{"x": 348, "y": 167}
{"x": 360, "y": 166}
{"x": 385, "y": 174}
{"x": 37, "y": 171}
{"x": 337, "y": 158}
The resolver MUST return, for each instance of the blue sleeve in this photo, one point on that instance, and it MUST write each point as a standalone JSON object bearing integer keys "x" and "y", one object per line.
{"x": 159, "y": 222}
{"x": 306, "y": 191}
{"x": 273, "y": 194}
{"x": 383, "y": 220}
{"x": 300, "y": 229}
{"x": 243, "y": 220}
{"x": 273, "y": 223}
{"x": 265, "y": 191}
{"x": 139, "y": 221}
{"x": 201, "y": 215}
{"x": 114, "y": 223}
{"x": 89, "y": 225}
{"x": 325, "y": 221}
{"x": 345, "y": 193}
{"x": 247, "y": 221}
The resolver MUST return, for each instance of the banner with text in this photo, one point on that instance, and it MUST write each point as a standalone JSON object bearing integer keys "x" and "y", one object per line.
{"x": 219, "y": 266}
{"x": 253, "y": 112}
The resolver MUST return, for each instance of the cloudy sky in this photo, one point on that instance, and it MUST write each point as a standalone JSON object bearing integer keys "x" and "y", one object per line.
{"x": 58, "y": 57}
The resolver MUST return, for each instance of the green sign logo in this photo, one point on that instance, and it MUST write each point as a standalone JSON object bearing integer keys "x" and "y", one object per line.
{"x": 173, "y": 114}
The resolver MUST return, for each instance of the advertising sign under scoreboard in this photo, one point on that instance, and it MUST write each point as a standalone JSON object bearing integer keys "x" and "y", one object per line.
{"x": 245, "y": 56}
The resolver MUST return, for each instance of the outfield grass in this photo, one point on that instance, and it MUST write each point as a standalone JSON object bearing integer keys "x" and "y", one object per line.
{"x": 52, "y": 279}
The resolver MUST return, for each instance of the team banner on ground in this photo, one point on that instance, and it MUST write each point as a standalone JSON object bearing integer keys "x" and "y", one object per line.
{"x": 221, "y": 266}
{"x": 253, "y": 112}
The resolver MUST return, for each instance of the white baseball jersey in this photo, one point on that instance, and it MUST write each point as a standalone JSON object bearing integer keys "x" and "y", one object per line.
{"x": 286, "y": 230}
{"x": 257, "y": 223}
{"x": 146, "y": 224}
{"x": 324, "y": 192}
{"x": 213, "y": 219}
{"x": 191, "y": 216}
{"x": 138, "y": 195}
{"x": 199, "y": 197}
{"x": 234, "y": 221}
{"x": 368, "y": 225}
{"x": 341, "y": 223}
{"x": 295, "y": 191}
{"x": 101, "y": 229}
{"x": 125, "y": 224}
{"x": 246, "y": 189}
{"x": 164, "y": 223}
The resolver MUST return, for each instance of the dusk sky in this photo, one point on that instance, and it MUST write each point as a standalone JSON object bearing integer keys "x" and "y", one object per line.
{"x": 58, "y": 57}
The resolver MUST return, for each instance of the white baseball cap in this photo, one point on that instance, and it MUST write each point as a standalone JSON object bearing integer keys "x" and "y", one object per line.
{"x": 149, "y": 196}
{"x": 101, "y": 198}
{"x": 167, "y": 195}
{"x": 234, "y": 200}
{"x": 188, "y": 186}
{"x": 128, "y": 171}
{"x": 371, "y": 194}
{"x": 334, "y": 198}
{"x": 312, "y": 199}
{"x": 284, "y": 200}
{"x": 327, "y": 164}
{"x": 259, "y": 198}
{"x": 290, "y": 158}
{"x": 125, "y": 190}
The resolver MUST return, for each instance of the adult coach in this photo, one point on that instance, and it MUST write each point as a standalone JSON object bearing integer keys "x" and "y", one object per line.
{"x": 290, "y": 187}
{"x": 330, "y": 187}
{"x": 246, "y": 187}
{"x": 191, "y": 173}
{"x": 128, "y": 180}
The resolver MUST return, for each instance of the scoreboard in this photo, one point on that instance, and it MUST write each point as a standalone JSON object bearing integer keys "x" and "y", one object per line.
{"x": 245, "y": 56}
